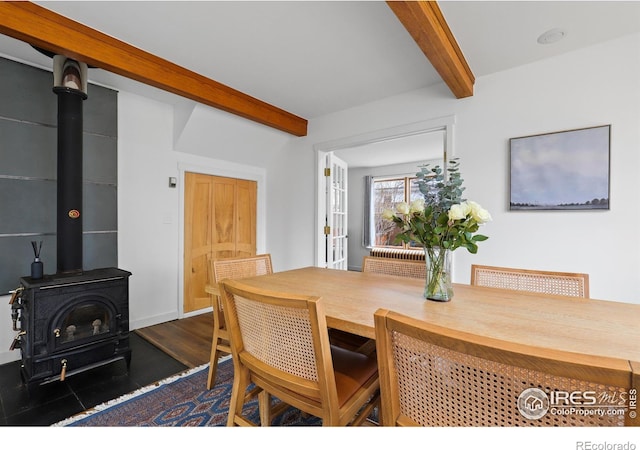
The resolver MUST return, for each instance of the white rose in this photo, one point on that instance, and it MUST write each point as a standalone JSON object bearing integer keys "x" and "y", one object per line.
{"x": 478, "y": 213}
{"x": 402, "y": 208}
{"x": 388, "y": 214}
{"x": 483, "y": 216}
{"x": 457, "y": 212}
{"x": 417, "y": 205}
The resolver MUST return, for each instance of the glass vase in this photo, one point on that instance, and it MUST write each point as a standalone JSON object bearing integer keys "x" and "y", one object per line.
{"x": 438, "y": 285}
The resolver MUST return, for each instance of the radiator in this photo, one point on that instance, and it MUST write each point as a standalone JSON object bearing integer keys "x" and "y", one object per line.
{"x": 398, "y": 253}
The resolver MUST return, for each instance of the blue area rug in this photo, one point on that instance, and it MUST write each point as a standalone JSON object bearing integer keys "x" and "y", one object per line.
{"x": 181, "y": 401}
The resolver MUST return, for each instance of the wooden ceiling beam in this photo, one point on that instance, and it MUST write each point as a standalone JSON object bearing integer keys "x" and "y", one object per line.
{"x": 426, "y": 24}
{"x": 45, "y": 29}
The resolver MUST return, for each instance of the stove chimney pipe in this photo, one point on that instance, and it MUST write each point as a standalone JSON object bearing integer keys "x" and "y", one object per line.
{"x": 70, "y": 87}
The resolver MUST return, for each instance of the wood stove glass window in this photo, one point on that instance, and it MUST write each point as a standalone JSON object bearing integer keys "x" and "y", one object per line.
{"x": 85, "y": 321}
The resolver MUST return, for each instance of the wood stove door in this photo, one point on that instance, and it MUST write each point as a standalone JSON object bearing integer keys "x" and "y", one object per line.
{"x": 89, "y": 319}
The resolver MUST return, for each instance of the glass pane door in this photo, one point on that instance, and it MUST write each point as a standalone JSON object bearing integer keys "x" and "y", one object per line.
{"x": 336, "y": 229}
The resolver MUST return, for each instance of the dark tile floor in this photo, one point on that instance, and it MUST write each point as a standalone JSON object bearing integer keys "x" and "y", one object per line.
{"x": 54, "y": 402}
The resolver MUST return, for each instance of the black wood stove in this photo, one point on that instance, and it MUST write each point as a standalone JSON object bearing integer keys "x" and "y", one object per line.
{"x": 72, "y": 323}
{"x": 74, "y": 320}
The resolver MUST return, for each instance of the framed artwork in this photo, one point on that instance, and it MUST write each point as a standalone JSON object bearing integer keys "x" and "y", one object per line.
{"x": 566, "y": 170}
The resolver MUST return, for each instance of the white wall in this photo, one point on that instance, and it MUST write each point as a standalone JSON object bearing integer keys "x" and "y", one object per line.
{"x": 592, "y": 87}
{"x": 291, "y": 205}
{"x": 147, "y": 208}
{"x": 595, "y": 86}
{"x": 150, "y": 222}
{"x": 150, "y": 214}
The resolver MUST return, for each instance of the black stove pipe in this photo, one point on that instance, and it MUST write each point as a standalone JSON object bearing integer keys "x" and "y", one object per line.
{"x": 69, "y": 186}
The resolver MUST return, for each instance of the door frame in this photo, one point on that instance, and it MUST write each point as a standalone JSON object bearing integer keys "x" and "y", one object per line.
{"x": 445, "y": 123}
{"x": 228, "y": 170}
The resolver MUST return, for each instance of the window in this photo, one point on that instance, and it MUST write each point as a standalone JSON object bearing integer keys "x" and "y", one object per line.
{"x": 385, "y": 194}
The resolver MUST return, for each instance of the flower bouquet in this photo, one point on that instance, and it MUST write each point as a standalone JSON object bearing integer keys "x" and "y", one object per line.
{"x": 440, "y": 222}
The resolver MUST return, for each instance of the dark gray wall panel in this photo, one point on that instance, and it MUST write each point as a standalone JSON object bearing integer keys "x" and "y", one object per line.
{"x": 100, "y": 159}
{"x": 100, "y": 250}
{"x": 27, "y": 150}
{"x": 98, "y": 111}
{"x": 28, "y": 206}
{"x": 27, "y": 93}
{"x": 28, "y": 170}
{"x": 16, "y": 254}
{"x": 99, "y": 206}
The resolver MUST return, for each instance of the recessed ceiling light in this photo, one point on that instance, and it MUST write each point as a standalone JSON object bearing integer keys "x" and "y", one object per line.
{"x": 551, "y": 36}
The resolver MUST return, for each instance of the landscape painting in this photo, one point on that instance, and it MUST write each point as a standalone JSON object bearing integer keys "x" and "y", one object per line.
{"x": 567, "y": 170}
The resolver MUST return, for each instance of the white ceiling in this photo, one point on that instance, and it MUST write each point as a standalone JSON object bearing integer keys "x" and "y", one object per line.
{"x": 315, "y": 58}
{"x": 417, "y": 148}
{"x": 499, "y": 35}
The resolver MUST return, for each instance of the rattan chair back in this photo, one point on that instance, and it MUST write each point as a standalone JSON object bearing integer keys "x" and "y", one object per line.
{"x": 280, "y": 343}
{"x": 397, "y": 267}
{"x": 433, "y": 376}
{"x": 229, "y": 268}
{"x": 556, "y": 283}
{"x": 241, "y": 267}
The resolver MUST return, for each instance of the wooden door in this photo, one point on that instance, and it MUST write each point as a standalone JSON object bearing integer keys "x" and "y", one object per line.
{"x": 197, "y": 240}
{"x": 223, "y": 209}
{"x": 246, "y": 201}
{"x": 220, "y": 222}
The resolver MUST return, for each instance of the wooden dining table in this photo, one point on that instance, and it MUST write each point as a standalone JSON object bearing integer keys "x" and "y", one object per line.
{"x": 587, "y": 326}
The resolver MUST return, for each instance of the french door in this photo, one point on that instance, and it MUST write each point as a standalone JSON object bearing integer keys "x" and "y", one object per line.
{"x": 336, "y": 212}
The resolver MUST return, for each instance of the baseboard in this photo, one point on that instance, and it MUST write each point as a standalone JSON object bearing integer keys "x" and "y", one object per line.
{"x": 154, "y": 320}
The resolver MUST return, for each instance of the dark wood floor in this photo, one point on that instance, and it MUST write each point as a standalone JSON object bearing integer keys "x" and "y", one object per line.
{"x": 187, "y": 340}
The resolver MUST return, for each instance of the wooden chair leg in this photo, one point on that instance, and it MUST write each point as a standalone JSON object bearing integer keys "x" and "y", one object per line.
{"x": 238, "y": 391}
{"x": 215, "y": 354}
{"x": 264, "y": 406}
{"x": 213, "y": 367}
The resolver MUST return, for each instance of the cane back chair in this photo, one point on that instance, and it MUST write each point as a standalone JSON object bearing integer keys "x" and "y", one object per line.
{"x": 557, "y": 283}
{"x": 280, "y": 344}
{"x": 386, "y": 266}
{"x": 434, "y": 376}
{"x": 397, "y": 267}
{"x": 229, "y": 268}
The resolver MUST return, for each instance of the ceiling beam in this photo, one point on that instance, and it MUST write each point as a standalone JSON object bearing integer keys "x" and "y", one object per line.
{"x": 45, "y": 29}
{"x": 426, "y": 24}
